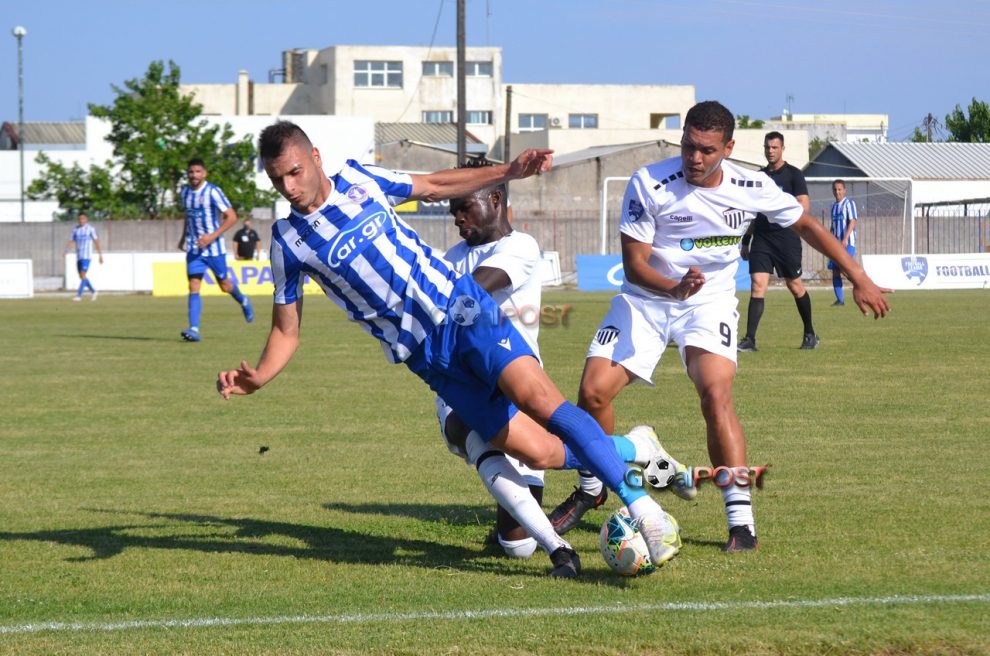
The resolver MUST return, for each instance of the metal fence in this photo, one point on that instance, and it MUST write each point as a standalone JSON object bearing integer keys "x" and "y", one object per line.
{"x": 880, "y": 231}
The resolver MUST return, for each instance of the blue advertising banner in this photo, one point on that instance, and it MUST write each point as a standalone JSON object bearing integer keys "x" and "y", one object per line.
{"x": 596, "y": 273}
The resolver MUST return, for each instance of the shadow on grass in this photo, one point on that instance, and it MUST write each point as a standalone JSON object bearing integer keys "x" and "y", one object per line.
{"x": 212, "y": 534}
{"x": 137, "y": 338}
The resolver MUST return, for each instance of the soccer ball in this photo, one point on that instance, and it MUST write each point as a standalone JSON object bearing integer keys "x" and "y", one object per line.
{"x": 623, "y": 548}
{"x": 464, "y": 310}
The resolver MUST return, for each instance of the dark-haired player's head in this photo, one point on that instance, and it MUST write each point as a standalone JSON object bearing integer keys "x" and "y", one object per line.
{"x": 294, "y": 166}
{"x": 706, "y": 141}
{"x": 196, "y": 172}
{"x": 481, "y": 217}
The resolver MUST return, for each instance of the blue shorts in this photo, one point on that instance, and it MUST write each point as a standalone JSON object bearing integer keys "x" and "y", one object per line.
{"x": 196, "y": 266}
{"x": 82, "y": 266}
{"x": 462, "y": 359}
{"x": 852, "y": 253}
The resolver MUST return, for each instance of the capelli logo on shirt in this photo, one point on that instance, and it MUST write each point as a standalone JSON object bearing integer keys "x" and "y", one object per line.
{"x": 680, "y": 218}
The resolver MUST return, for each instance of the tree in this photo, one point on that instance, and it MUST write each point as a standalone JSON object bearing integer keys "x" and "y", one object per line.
{"x": 972, "y": 129}
{"x": 815, "y": 146}
{"x": 744, "y": 122}
{"x": 155, "y": 131}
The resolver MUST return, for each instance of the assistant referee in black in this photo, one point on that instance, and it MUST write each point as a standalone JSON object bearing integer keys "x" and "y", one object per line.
{"x": 769, "y": 248}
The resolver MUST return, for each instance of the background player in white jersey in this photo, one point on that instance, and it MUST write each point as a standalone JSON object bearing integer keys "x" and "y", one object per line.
{"x": 344, "y": 234}
{"x": 682, "y": 222}
{"x": 208, "y": 215}
{"x": 843, "y": 227}
{"x": 85, "y": 240}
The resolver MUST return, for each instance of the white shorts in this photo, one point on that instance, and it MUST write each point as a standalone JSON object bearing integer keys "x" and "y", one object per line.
{"x": 636, "y": 331}
{"x": 475, "y": 447}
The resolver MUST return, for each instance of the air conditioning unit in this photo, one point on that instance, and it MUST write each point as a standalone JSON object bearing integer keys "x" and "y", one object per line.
{"x": 555, "y": 122}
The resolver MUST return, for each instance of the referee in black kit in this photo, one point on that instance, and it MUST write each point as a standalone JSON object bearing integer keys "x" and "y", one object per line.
{"x": 769, "y": 248}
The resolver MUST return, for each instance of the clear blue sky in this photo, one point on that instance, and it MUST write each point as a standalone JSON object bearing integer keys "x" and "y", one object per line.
{"x": 904, "y": 58}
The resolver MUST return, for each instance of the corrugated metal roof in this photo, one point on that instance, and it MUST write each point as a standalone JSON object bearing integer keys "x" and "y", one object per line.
{"x": 595, "y": 151}
{"x": 56, "y": 132}
{"x": 427, "y": 133}
{"x": 919, "y": 161}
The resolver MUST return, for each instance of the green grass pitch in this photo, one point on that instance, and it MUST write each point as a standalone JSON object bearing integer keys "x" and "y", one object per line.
{"x": 138, "y": 515}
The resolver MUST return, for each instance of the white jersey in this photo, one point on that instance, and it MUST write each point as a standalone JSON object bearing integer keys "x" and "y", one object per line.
{"x": 697, "y": 226}
{"x": 518, "y": 255}
{"x": 204, "y": 208}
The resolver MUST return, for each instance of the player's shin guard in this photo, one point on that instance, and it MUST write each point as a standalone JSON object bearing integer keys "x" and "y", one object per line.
{"x": 511, "y": 490}
{"x": 837, "y": 286}
{"x": 593, "y": 448}
{"x": 195, "y": 309}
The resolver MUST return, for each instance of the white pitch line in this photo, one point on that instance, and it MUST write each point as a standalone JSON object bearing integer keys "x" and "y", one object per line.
{"x": 378, "y": 618}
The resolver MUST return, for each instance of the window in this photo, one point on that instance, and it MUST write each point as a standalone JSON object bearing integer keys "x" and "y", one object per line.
{"x": 532, "y": 122}
{"x": 478, "y": 69}
{"x": 378, "y": 74}
{"x": 438, "y": 116}
{"x": 479, "y": 117}
{"x": 438, "y": 69}
{"x": 582, "y": 121}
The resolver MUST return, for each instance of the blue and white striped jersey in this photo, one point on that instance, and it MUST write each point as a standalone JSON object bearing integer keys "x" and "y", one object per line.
{"x": 843, "y": 212}
{"x": 204, "y": 209}
{"x": 84, "y": 235}
{"x": 366, "y": 259}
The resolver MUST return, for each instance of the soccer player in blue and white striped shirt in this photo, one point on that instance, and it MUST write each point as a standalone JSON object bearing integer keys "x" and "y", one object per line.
{"x": 844, "y": 229}
{"x": 85, "y": 240}
{"x": 208, "y": 215}
{"x": 344, "y": 234}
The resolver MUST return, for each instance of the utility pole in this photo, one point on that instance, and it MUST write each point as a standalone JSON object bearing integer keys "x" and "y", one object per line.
{"x": 506, "y": 150}
{"x": 461, "y": 104}
{"x": 929, "y": 124}
{"x": 19, "y": 33}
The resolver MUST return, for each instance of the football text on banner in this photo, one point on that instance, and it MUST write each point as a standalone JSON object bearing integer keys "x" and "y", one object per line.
{"x": 604, "y": 273}
{"x": 253, "y": 277}
{"x": 949, "y": 271}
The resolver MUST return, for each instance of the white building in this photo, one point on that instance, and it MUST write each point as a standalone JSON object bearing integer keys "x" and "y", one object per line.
{"x": 848, "y": 128}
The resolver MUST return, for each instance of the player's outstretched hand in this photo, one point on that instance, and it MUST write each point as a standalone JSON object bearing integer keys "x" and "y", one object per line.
{"x": 689, "y": 285}
{"x": 870, "y": 298}
{"x": 238, "y": 381}
{"x": 531, "y": 161}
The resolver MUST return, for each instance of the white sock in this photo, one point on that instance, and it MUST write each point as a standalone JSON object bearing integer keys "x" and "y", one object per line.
{"x": 518, "y": 548}
{"x": 511, "y": 491}
{"x": 739, "y": 506}
{"x": 645, "y": 505}
{"x": 588, "y": 483}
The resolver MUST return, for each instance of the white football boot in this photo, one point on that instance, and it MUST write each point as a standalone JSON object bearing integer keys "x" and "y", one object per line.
{"x": 662, "y": 471}
{"x": 662, "y": 536}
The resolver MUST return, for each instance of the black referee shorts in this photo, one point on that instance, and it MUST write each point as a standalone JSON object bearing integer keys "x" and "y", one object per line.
{"x": 777, "y": 253}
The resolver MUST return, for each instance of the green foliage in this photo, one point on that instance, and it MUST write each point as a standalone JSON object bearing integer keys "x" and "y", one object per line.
{"x": 918, "y": 136}
{"x": 155, "y": 131}
{"x": 744, "y": 122}
{"x": 816, "y": 146}
{"x": 974, "y": 128}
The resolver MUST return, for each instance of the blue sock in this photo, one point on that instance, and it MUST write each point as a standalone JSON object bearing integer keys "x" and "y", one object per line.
{"x": 236, "y": 293}
{"x": 89, "y": 285}
{"x": 82, "y": 287}
{"x": 625, "y": 447}
{"x": 837, "y": 286}
{"x": 593, "y": 448}
{"x": 195, "y": 309}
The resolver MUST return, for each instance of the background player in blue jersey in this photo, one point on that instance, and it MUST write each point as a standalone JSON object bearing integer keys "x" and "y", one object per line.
{"x": 85, "y": 240}
{"x": 208, "y": 215}
{"x": 343, "y": 233}
{"x": 769, "y": 248}
{"x": 844, "y": 229}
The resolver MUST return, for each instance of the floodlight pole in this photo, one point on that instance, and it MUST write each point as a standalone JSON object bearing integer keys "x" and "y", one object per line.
{"x": 19, "y": 33}
{"x": 461, "y": 100}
